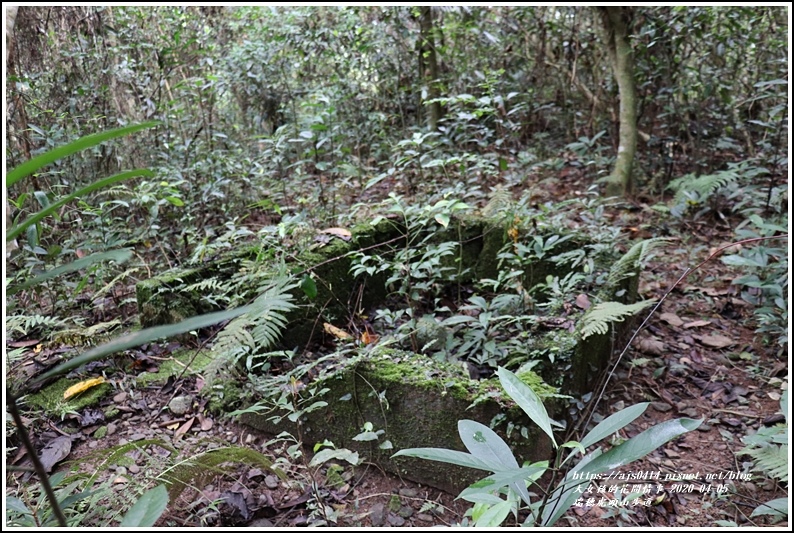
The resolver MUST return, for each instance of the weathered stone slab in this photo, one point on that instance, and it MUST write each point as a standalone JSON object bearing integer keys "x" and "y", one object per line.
{"x": 417, "y": 402}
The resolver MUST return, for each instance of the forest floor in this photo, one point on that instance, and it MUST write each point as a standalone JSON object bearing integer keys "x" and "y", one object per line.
{"x": 698, "y": 357}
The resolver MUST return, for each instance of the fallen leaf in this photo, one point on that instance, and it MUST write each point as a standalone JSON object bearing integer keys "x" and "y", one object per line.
{"x": 336, "y": 332}
{"x": 652, "y": 346}
{"x": 342, "y": 233}
{"x": 672, "y": 319}
{"x": 582, "y": 301}
{"x": 368, "y": 338}
{"x": 715, "y": 341}
{"x": 23, "y": 344}
{"x": 184, "y": 428}
{"x": 77, "y": 388}
{"x": 711, "y": 291}
{"x": 57, "y": 450}
{"x": 205, "y": 423}
{"x": 697, "y": 324}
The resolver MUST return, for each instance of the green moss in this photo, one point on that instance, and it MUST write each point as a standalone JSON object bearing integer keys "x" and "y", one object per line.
{"x": 175, "y": 365}
{"x": 50, "y": 398}
{"x": 101, "y": 432}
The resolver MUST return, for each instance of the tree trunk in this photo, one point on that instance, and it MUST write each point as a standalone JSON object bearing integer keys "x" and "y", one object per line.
{"x": 616, "y": 21}
{"x": 428, "y": 65}
{"x": 11, "y": 17}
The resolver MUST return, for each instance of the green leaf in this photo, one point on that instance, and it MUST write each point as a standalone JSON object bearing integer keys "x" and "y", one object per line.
{"x": 483, "y": 443}
{"x": 309, "y": 287}
{"x": 119, "y": 256}
{"x": 597, "y": 463}
{"x": 443, "y": 219}
{"x": 32, "y": 235}
{"x": 494, "y": 515}
{"x": 366, "y": 436}
{"x": 29, "y": 167}
{"x": 527, "y": 400}
{"x": 450, "y": 456}
{"x": 15, "y": 504}
{"x": 778, "y": 507}
{"x": 147, "y": 509}
{"x": 12, "y": 233}
{"x": 132, "y": 340}
{"x": 614, "y": 423}
{"x": 328, "y": 454}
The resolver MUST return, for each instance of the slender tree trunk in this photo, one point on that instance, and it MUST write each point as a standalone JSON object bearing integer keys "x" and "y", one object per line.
{"x": 428, "y": 65}
{"x": 616, "y": 22}
{"x": 11, "y": 18}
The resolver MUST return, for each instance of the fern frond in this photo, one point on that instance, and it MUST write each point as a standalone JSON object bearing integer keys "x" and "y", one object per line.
{"x": 198, "y": 471}
{"x": 25, "y": 324}
{"x": 773, "y": 460}
{"x": 699, "y": 189}
{"x": 629, "y": 265}
{"x": 500, "y": 201}
{"x": 112, "y": 283}
{"x": 205, "y": 285}
{"x": 85, "y": 336}
{"x": 256, "y": 331}
{"x": 597, "y": 319}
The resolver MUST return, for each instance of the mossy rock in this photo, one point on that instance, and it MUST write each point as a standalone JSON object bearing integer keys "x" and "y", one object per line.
{"x": 50, "y": 398}
{"x": 417, "y": 402}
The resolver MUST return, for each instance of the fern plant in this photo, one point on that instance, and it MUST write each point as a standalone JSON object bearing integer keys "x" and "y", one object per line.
{"x": 698, "y": 191}
{"x": 597, "y": 319}
{"x": 255, "y": 331}
{"x": 769, "y": 447}
{"x": 630, "y": 263}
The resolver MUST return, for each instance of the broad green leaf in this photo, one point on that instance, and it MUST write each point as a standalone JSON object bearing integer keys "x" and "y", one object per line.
{"x": 457, "y": 319}
{"x": 594, "y": 464}
{"x": 494, "y": 515}
{"x": 15, "y": 504}
{"x": 773, "y": 507}
{"x": 483, "y": 443}
{"x": 328, "y": 454}
{"x": 29, "y": 167}
{"x": 148, "y": 508}
{"x": 125, "y": 342}
{"x": 450, "y": 456}
{"x": 613, "y": 423}
{"x": 443, "y": 219}
{"x": 309, "y": 287}
{"x": 12, "y": 233}
{"x": 32, "y": 235}
{"x": 527, "y": 400}
{"x": 119, "y": 256}
{"x": 479, "y": 494}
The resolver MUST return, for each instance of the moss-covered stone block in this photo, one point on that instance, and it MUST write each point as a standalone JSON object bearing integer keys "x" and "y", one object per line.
{"x": 50, "y": 398}
{"x": 417, "y": 402}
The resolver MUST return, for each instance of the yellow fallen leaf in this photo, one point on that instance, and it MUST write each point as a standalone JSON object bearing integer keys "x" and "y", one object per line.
{"x": 77, "y": 388}
{"x": 336, "y": 332}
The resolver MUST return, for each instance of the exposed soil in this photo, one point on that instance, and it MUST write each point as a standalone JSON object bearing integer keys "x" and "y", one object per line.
{"x": 686, "y": 362}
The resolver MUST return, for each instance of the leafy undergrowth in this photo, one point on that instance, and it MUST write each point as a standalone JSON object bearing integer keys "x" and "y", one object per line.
{"x": 699, "y": 357}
